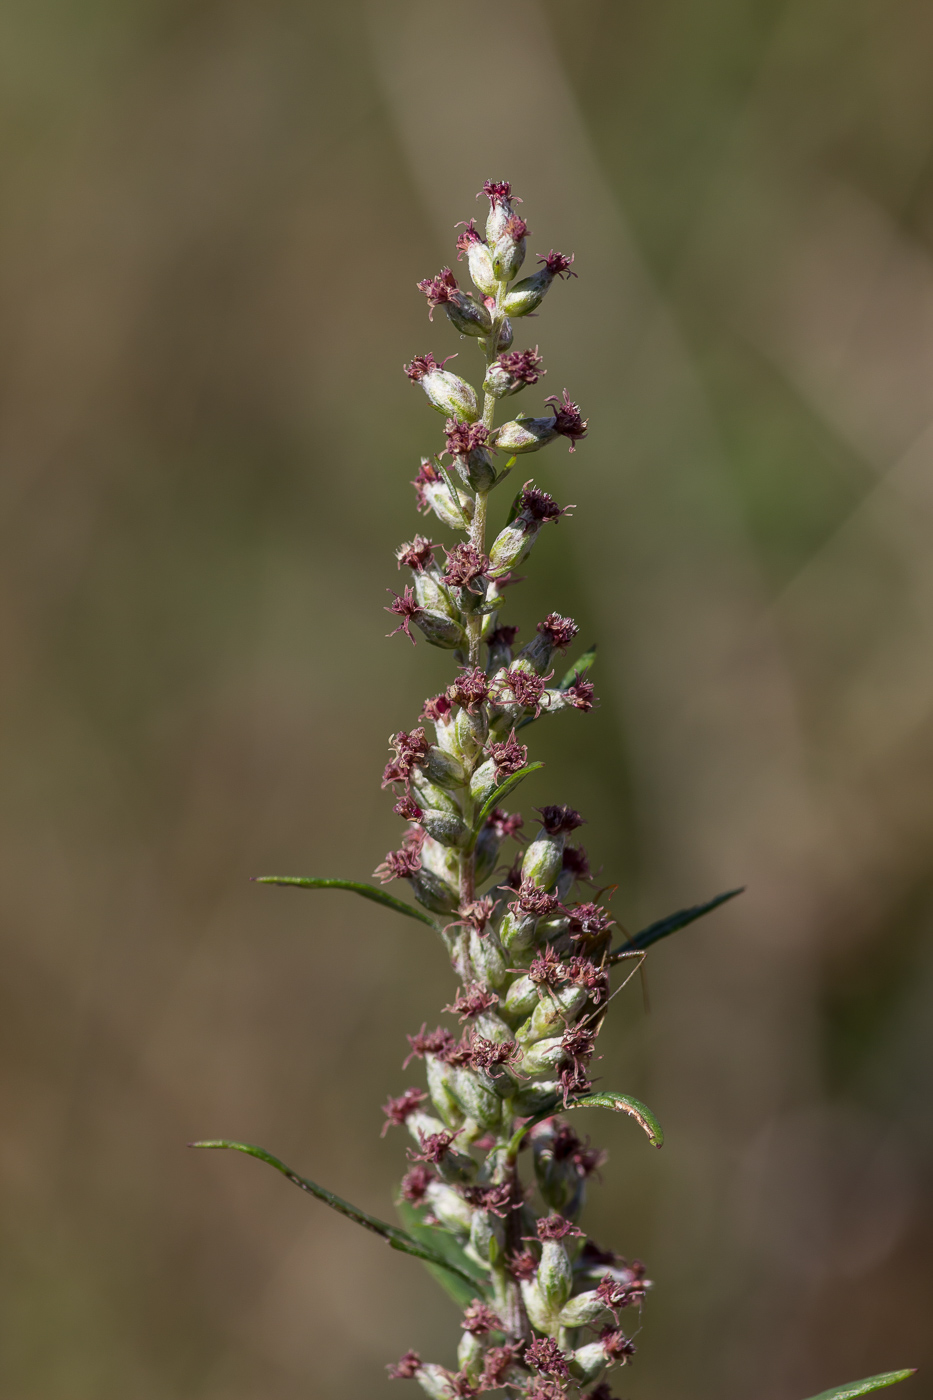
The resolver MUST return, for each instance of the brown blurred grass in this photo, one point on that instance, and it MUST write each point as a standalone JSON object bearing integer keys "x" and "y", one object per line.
{"x": 214, "y": 217}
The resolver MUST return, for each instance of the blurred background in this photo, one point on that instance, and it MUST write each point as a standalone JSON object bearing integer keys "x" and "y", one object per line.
{"x": 214, "y": 215}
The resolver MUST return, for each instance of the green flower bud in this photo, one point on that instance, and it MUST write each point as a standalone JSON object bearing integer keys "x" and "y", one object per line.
{"x": 522, "y": 997}
{"x": 542, "y": 861}
{"x": 448, "y": 828}
{"x": 506, "y": 335}
{"x": 555, "y": 1276}
{"x": 483, "y": 782}
{"x": 552, "y": 1014}
{"x": 508, "y": 250}
{"x": 479, "y": 259}
{"x": 487, "y": 1237}
{"x": 428, "y": 794}
{"x": 525, "y": 435}
{"x": 442, "y": 768}
{"x": 451, "y": 505}
{"x": 583, "y": 1310}
{"x": 527, "y": 295}
{"x": 440, "y": 631}
{"x": 472, "y": 732}
{"x": 421, "y": 1124}
{"x": 441, "y": 862}
{"x": 510, "y": 547}
{"x": 546, "y": 1055}
{"x": 448, "y": 393}
{"x": 477, "y": 1099}
{"x": 434, "y": 1381}
{"x": 449, "y": 1207}
{"x": 588, "y": 1363}
{"x": 540, "y": 1313}
{"x": 488, "y": 959}
{"x": 431, "y": 593}
{"x": 517, "y": 931}
{"x": 470, "y": 1354}
{"x": 436, "y": 895}
{"x": 469, "y": 317}
{"x": 499, "y": 194}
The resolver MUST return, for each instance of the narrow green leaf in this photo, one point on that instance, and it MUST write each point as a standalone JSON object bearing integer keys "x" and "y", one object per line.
{"x": 442, "y": 1242}
{"x": 608, "y": 1098}
{"x": 396, "y": 1238}
{"x": 513, "y": 508}
{"x": 870, "y": 1383}
{"x": 671, "y": 924}
{"x": 579, "y": 668}
{"x": 501, "y": 792}
{"x": 372, "y": 892}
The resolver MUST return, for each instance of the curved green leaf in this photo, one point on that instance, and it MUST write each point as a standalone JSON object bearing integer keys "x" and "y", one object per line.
{"x": 579, "y": 668}
{"x": 496, "y": 797}
{"x": 870, "y": 1383}
{"x": 671, "y": 924}
{"x": 442, "y": 1242}
{"x": 396, "y": 1238}
{"x": 372, "y": 892}
{"x": 608, "y": 1098}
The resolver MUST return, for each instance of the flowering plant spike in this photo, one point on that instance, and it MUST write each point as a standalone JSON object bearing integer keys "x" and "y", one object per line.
{"x": 547, "y": 1312}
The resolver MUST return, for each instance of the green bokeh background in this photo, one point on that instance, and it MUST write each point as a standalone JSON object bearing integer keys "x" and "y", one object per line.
{"x": 214, "y": 215}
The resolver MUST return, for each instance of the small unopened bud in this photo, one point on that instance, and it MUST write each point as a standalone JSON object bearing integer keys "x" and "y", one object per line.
{"x": 535, "y": 1098}
{"x": 522, "y": 997}
{"x": 440, "y": 630}
{"x": 483, "y": 782}
{"x": 551, "y": 1014}
{"x": 449, "y": 394}
{"x": 449, "y": 1207}
{"x": 583, "y": 1310}
{"x": 470, "y": 1354}
{"x": 434, "y": 1381}
{"x": 508, "y": 251}
{"x": 555, "y": 1275}
{"x": 431, "y": 891}
{"x": 525, "y": 435}
{"x": 546, "y": 1057}
{"x": 588, "y": 1363}
{"x": 468, "y": 316}
{"x": 499, "y": 194}
{"x": 506, "y": 336}
{"x": 527, "y": 295}
{"x": 479, "y": 259}
{"x": 448, "y": 828}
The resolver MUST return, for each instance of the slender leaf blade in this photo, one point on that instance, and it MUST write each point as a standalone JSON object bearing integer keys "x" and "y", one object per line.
{"x": 372, "y": 892}
{"x": 671, "y": 924}
{"x": 501, "y": 792}
{"x": 442, "y": 1242}
{"x": 870, "y": 1383}
{"x": 607, "y": 1098}
{"x": 396, "y": 1238}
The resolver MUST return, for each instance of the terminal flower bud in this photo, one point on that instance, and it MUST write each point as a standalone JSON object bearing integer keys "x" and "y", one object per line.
{"x": 501, "y": 199}
{"x": 479, "y": 258}
{"x": 527, "y": 295}
{"x": 449, "y": 394}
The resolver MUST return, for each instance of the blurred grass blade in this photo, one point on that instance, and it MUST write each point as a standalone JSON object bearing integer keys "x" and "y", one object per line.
{"x": 372, "y": 892}
{"x": 608, "y": 1098}
{"x": 671, "y": 924}
{"x": 398, "y": 1239}
{"x": 443, "y": 1243}
{"x": 579, "y": 668}
{"x": 495, "y": 798}
{"x": 870, "y": 1383}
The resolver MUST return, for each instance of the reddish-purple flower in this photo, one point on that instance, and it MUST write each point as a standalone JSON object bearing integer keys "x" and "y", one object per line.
{"x": 489, "y": 1054}
{"x": 568, "y": 420}
{"x": 472, "y": 1001}
{"x": 583, "y": 972}
{"x": 556, "y": 263}
{"x": 434, "y": 1146}
{"x": 470, "y": 688}
{"x": 399, "y": 865}
{"x": 589, "y": 923}
{"x": 502, "y": 636}
{"x": 407, "y": 607}
{"x": 538, "y": 506}
{"x": 465, "y": 564}
{"x": 556, "y": 1227}
{"x": 556, "y": 819}
{"x": 464, "y": 438}
{"x": 545, "y": 1355}
{"x": 425, "y": 1042}
{"x": 532, "y": 900}
{"x": 496, "y": 1365}
{"x": 527, "y": 688}
{"x": 509, "y": 756}
{"x": 522, "y": 1266}
{"x": 469, "y": 236}
{"x": 576, "y": 861}
{"x": 406, "y": 1368}
{"x": 498, "y": 192}
{"x": 438, "y": 709}
{"x": 505, "y": 824}
{"x": 616, "y": 1345}
{"x": 417, "y": 555}
{"x": 408, "y": 808}
{"x": 547, "y": 970}
{"x": 424, "y": 364}
{"x": 559, "y": 631}
{"x": 398, "y": 1111}
{"x": 439, "y": 289}
{"x": 523, "y": 365}
{"x": 428, "y": 475}
{"x": 479, "y": 1319}
{"x": 495, "y": 1200}
{"x": 415, "y": 1184}
{"x": 581, "y": 694}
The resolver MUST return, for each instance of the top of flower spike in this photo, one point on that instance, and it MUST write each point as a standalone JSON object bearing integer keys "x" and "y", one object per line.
{"x": 498, "y": 192}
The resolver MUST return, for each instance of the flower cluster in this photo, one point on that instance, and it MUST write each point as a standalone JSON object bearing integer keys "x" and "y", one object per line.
{"x": 531, "y": 952}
